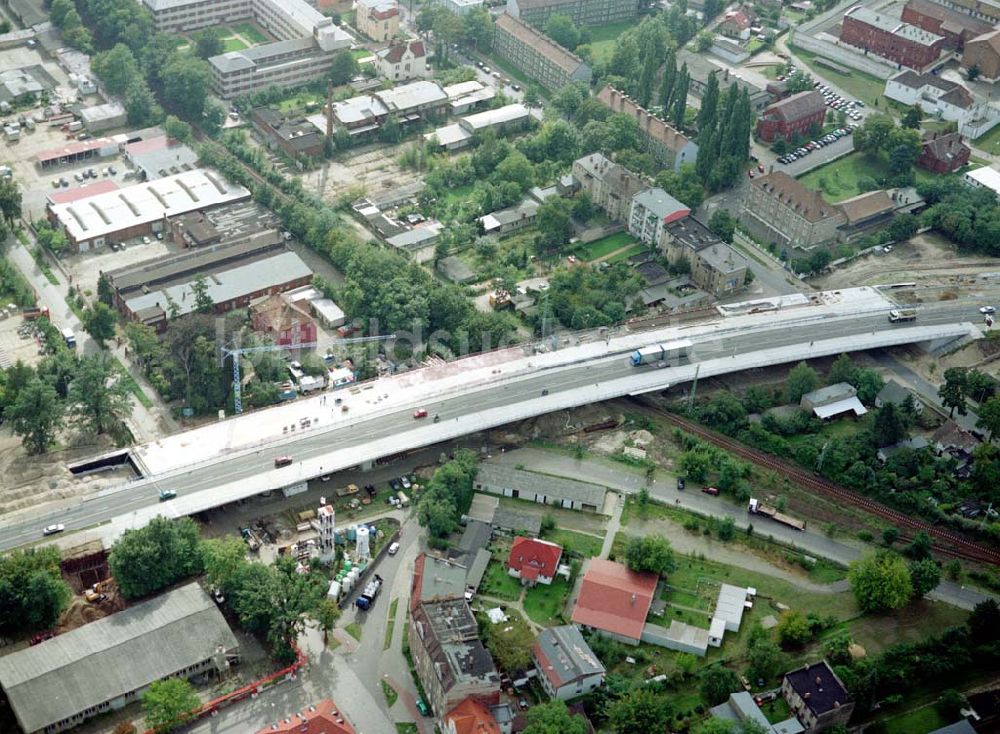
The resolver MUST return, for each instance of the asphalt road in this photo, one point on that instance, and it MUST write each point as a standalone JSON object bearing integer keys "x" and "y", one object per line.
{"x": 566, "y": 380}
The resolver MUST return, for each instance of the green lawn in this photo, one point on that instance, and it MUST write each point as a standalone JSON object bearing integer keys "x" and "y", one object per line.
{"x": 776, "y": 711}
{"x": 626, "y": 254}
{"x": 839, "y": 180}
{"x": 990, "y": 142}
{"x": 390, "y": 625}
{"x": 919, "y": 721}
{"x": 361, "y": 53}
{"x": 298, "y": 102}
{"x": 233, "y": 44}
{"x": 497, "y": 582}
{"x": 604, "y": 246}
{"x": 389, "y": 692}
{"x": 354, "y": 630}
{"x": 544, "y": 604}
{"x": 602, "y": 39}
{"x": 250, "y": 32}
{"x": 572, "y": 542}
{"x": 859, "y": 85}
{"x": 406, "y": 727}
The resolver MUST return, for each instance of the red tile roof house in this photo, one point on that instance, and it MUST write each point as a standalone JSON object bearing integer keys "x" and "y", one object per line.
{"x": 320, "y": 718}
{"x": 533, "y": 561}
{"x": 614, "y": 600}
{"x": 470, "y": 717}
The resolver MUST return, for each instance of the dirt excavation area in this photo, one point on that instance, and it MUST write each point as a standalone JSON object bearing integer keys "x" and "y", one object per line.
{"x": 369, "y": 171}
{"x": 29, "y": 482}
{"x": 928, "y": 260}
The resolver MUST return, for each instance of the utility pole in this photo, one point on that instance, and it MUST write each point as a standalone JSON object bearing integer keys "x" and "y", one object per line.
{"x": 694, "y": 387}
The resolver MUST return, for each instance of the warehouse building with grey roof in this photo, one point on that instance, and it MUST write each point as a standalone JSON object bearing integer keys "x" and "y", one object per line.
{"x": 541, "y": 488}
{"x": 107, "y": 664}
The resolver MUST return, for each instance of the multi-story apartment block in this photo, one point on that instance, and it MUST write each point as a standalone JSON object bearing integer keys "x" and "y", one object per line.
{"x": 307, "y": 40}
{"x": 583, "y": 12}
{"x": 988, "y": 10}
{"x": 779, "y": 209}
{"x": 817, "y": 697}
{"x": 458, "y": 7}
{"x": 887, "y": 36}
{"x": 609, "y": 185}
{"x": 537, "y": 55}
{"x": 377, "y": 19}
{"x": 668, "y": 147}
{"x": 956, "y": 28}
{"x": 795, "y": 114}
{"x": 650, "y": 212}
{"x": 715, "y": 266}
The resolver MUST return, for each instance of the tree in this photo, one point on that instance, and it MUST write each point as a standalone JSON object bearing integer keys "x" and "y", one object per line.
{"x": 343, "y": 67}
{"x": 984, "y": 622}
{"x": 925, "y": 575}
{"x": 511, "y": 644}
{"x": 950, "y": 704}
{"x": 222, "y": 559}
{"x": 448, "y": 29}
{"x": 722, "y": 223}
{"x": 554, "y": 224}
{"x": 99, "y": 395}
{"x": 140, "y": 104}
{"x": 872, "y": 137}
{"x": 680, "y": 97}
{"x": 326, "y": 616}
{"x": 553, "y": 718}
{"x": 889, "y": 536}
{"x": 99, "y": 320}
{"x": 713, "y": 725}
{"x": 880, "y": 582}
{"x": 479, "y": 28}
{"x": 911, "y": 118}
{"x": 650, "y": 553}
{"x": 117, "y": 68}
{"x": 919, "y": 548}
{"x": 640, "y": 710}
{"x": 716, "y": 684}
{"x": 178, "y": 129}
{"x": 705, "y": 40}
{"x": 35, "y": 416}
{"x": 203, "y": 302}
{"x": 560, "y": 28}
{"x": 843, "y": 369}
{"x": 105, "y": 292}
{"x": 145, "y": 560}
{"x": 989, "y": 416}
{"x": 208, "y": 43}
{"x": 763, "y": 656}
{"x": 10, "y": 201}
{"x": 124, "y": 727}
{"x": 889, "y": 426}
{"x": 793, "y": 629}
{"x": 186, "y": 82}
{"x": 802, "y": 379}
{"x": 32, "y": 591}
{"x": 169, "y": 703}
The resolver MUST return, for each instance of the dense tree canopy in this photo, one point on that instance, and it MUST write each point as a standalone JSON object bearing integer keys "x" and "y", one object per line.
{"x": 145, "y": 560}
{"x": 881, "y": 582}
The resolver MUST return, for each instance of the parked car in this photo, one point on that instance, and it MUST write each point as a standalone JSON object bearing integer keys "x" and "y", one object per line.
{"x": 680, "y": 483}
{"x": 394, "y": 549}
{"x": 42, "y": 637}
{"x": 423, "y": 708}
{"x": 710, "y": 490}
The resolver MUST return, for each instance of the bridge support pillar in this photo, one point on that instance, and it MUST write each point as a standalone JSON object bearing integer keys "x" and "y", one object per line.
{"x": 367, "y": 465}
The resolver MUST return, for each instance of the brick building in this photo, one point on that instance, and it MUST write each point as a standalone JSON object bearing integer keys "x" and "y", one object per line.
{"x": 889, "y": 38}
{"x": 609, "y": 185}
{"x": 779, "y": 209}
{"x": 670, "y": 148}
{"x": 794, "y": 114}
{"x": 943, "y": 153}
{"x": 537, "y": 55}
{"x": 956, "y": 28}
{"x": 983, "y": 54}
{"x": 282, "y": 322}
{"x": 450, "y": 659}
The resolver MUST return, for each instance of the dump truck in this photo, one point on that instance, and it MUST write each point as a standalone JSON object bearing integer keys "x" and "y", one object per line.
{"x": 367, "y": 597}
{"x": 902, "y": 314}
{"x": 756, "y": 507}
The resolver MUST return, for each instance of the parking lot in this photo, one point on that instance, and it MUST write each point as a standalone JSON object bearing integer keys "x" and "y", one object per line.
{"x": 18, "y": 342}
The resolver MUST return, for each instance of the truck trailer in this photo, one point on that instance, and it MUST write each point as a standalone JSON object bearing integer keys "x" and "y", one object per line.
{"x": 756, "y": 507}
{"x": 663, "y": 354}
{"x": 367, "y": 597}
{"x": 902, "y": 314}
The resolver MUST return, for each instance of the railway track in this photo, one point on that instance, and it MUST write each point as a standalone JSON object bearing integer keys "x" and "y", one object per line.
{"x": 944, "y": 541}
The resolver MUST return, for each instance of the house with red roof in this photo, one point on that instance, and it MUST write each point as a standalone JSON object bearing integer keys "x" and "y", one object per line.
{"x": 320, "y": 718}
{"x": 533, "y": 561}
{"x": 614, "y": 600}
{"x": 402, "y": 60}
{"x": 470, "y": 717}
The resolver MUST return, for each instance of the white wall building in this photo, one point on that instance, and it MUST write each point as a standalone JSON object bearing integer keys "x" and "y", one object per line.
{"x": 985, "y": 178}
{"x": 946, "y": 100}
